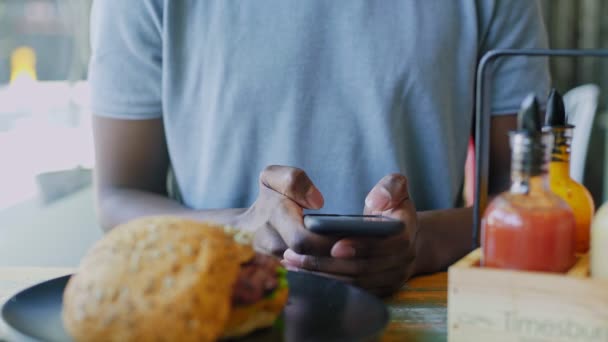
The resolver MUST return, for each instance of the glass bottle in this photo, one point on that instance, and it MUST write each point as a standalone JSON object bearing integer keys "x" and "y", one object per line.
{"x": 574, "y": 193}
{"x": 529, "y": 227}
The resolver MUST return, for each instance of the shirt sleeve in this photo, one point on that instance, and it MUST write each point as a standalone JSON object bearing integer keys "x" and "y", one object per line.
{"x": 514, "y": 24}
{"x": 125, "y": 71}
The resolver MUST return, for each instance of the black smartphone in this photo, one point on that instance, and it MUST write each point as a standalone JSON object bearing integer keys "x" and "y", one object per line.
{"x": 353, "y": 225}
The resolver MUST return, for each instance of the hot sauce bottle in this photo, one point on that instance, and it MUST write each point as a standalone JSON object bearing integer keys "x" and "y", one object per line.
{"x": 529, "y": 227}
{"x": 575, "y": 194}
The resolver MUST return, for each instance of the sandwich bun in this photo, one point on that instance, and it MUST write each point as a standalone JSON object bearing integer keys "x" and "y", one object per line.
{"x": 163, "y": 278}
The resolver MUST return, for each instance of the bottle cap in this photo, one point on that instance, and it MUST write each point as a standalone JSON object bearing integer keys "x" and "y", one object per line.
{"x": 556, "y": 123}
{"x": 556, "y": 111}
{"x": 530, "y": 146}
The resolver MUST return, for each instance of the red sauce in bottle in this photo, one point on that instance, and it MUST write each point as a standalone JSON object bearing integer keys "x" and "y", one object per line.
{"x": 534, "y": 232}
{"x": 529, "y": 227}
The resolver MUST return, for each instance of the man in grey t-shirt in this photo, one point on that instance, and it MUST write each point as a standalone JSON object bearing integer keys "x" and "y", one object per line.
{"x": 357, "y": 104}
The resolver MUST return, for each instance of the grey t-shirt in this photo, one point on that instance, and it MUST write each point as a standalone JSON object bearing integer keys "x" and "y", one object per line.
{"x": 349, "y": 91}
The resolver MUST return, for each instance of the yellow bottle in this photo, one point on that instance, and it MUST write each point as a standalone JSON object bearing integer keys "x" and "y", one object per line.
{"x": 575, "y": 194}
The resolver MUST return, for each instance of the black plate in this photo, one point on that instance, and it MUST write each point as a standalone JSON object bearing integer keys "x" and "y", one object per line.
{"x": 318, "y": 309}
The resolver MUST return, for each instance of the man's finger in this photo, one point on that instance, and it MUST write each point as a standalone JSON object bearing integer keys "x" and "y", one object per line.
{"x": 389, "y": 193}
{"x": 292, "y": 268}
{"x": 369, "y": 247}
{"x": 267, "y": 240}
{"x": 288, "y": 222}
{"x": 292, "y": 183}
{"x": 347, "y": 267}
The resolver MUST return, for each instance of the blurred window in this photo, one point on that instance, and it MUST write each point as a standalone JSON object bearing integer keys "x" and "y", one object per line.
{"x": 45, "y": 136}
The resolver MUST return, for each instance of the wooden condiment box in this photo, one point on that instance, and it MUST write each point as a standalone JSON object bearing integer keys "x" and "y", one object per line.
{"x": 486, "y": 304}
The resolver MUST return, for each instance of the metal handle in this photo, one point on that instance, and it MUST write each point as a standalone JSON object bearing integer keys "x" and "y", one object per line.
{"x": 482, "y": 118}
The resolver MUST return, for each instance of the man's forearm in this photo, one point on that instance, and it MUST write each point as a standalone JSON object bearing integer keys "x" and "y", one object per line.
{"x": 444, "y": 237}
{"x": 116, "y": 206}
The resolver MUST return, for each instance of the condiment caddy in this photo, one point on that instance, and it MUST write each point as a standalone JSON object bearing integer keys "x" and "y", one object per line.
{"x": 487, "y": 304}
{"x": 532, "y": 279}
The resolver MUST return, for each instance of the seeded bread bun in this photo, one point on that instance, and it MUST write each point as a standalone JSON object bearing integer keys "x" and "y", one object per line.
{"x": 159, "y": 278}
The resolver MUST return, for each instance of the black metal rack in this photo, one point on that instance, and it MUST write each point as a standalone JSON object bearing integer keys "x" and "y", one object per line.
{"x": 482, "y": 117}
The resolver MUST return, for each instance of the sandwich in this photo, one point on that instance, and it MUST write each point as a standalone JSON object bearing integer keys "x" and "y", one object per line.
{"x": 171, "y": 279}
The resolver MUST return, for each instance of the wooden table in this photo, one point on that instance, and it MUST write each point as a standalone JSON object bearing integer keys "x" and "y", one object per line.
{"x": 418, "y": 312}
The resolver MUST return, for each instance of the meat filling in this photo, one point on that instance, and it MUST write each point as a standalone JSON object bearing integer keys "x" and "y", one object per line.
{"x": 257, "y": 278}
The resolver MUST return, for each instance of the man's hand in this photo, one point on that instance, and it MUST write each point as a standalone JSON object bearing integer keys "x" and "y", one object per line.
{"x": 380, "y": 265}
{"x": 276, "y": 217}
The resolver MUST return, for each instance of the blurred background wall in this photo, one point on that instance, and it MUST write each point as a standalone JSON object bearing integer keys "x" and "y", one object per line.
{"x": 56, "y": 29}
{"x": 577, "y": 24}
{"x": 583, "y": 24}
